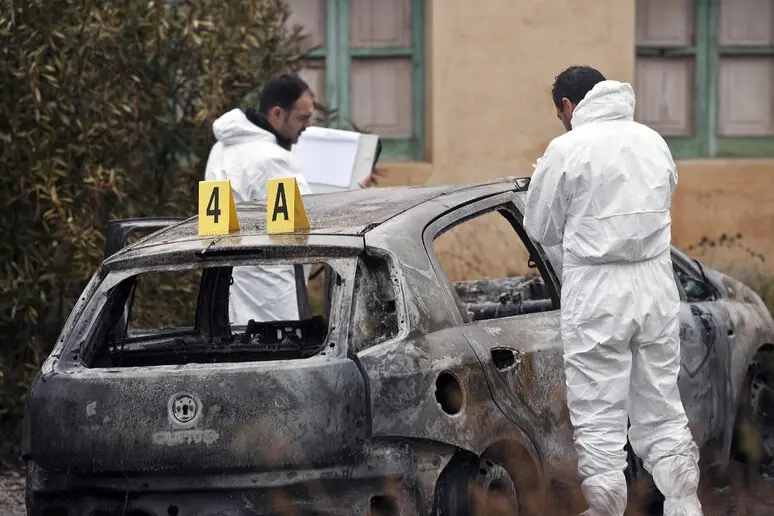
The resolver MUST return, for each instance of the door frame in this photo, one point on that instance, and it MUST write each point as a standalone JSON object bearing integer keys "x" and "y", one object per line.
{"x": 505, "y": 205}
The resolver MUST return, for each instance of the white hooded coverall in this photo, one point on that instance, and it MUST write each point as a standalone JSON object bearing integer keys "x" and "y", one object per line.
{"x": 249, "y": 156}
{"x": 603, "y": 191}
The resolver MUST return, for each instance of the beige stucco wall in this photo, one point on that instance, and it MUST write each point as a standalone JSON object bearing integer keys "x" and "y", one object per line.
{"x": 726, "y": 197}
{"x": 492, "y": 66}
{"x": 489, "y": 110}
{"x": 489, "y": 113}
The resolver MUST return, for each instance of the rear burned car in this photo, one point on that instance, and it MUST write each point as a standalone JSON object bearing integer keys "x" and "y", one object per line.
{"x": 413, "y": 381}
{"x": 160, "y": 419}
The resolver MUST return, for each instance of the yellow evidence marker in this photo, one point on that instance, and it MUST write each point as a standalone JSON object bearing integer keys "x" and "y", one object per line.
{"x": 285, "y": 210}
{"x": 217, "y": 211}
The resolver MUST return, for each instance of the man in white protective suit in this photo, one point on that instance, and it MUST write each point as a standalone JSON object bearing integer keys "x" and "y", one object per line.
{"x": 253, "y": 147}
{"x": 603, "y": 191}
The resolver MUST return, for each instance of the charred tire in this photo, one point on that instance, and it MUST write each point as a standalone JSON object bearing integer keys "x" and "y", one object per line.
{"x": 36, "y": 505}
{"x": 30, "y": 500}
{"x": 473, "y": 486}
{"x": 752, "y": 443}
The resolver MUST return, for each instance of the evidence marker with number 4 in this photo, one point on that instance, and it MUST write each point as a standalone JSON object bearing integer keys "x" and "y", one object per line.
{"x": 217, "y": 211}
{"x": 285, "y": 212}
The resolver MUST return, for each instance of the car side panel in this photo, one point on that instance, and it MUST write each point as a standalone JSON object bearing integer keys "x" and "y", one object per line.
{"x": 406, "y": 395}
{"x": 703, "y": 360}
{"x": 531, "y": 390}
{"x": 750, "y": 327}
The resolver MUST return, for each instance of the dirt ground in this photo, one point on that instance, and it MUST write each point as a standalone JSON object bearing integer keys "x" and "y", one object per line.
{"x": 732, "y": 500}
{"x": 11, "y": 494}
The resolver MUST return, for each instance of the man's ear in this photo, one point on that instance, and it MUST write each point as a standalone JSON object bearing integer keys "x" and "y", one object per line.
{"x": 275, "y": 113}
{"x": 567, "y": 106}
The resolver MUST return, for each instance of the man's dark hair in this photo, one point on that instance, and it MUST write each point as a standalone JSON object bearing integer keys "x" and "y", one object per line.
{"x": 574, "y": 83}
{"x": 282, "y": 90}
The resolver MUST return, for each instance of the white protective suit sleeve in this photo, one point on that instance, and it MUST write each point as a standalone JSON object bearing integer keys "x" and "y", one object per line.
{"x": 554, "y": 255}
{"x": 673, "y": 180}
{"x": 547, "y": 200}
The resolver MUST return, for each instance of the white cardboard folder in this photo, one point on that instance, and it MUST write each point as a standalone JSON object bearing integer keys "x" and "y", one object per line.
{"x": 333, "y": 159}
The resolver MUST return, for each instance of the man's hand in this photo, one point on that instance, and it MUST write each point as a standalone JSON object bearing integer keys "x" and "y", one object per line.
{"x": 369, "y": 181}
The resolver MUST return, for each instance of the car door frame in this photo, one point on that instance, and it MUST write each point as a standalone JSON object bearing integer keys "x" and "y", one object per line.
{"x": 708, "y": 316}
{"x": 119, "y": 230}
{"x": 537, "y": 370}
{"x": 116, "y": 236}
{"x": 478, "y": 208}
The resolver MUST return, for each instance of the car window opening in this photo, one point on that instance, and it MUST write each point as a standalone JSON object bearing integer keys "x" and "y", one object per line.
{"x": 178, "y": 317}
{"x": 375, "y": 317}
{"x": 485, "y": 290}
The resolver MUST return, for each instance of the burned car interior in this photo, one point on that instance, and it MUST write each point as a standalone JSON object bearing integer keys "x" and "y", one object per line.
{"x": 203, "y": 336}
{"x": 492, "y": 294}
{"x": 199, "y": 330}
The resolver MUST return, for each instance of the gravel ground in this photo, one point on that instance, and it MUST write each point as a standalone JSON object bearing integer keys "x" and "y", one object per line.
{"x": 731, "y": 500}
{"x": 12, "y": 494}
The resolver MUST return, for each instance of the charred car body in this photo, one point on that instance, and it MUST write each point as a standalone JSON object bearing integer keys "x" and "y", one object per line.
{"x": 406, "y": 394}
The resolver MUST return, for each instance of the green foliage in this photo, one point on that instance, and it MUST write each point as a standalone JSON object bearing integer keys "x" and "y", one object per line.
{"x": 765, "y": 288}
{"x": 105, "y": 112}
{"x": 763, "y": 284}
{"x": 165, "y": 300}
{"x": 750, "y": 270}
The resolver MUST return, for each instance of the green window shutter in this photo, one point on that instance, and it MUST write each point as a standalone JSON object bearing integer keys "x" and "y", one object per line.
{"x": 711, "y": 50}
{"x": 375, "y": 63}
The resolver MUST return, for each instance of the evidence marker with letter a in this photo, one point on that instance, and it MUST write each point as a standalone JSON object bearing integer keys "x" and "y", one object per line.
{"x": 285, "y": 212}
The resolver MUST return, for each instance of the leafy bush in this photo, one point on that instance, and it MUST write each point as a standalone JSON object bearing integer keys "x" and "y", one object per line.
{"x": 733, "y": 256}
{"x": 105, "y": 112}
{"x": 763, "y": 284}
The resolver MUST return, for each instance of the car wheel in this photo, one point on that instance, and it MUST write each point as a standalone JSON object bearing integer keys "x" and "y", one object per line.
{"x": 35, "y": 506}
{"x": 753, "y": 440}
{"x": 472, "y": 486}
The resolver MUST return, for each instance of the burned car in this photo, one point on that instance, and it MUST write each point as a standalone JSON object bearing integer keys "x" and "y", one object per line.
{"x": 401, "y": 392}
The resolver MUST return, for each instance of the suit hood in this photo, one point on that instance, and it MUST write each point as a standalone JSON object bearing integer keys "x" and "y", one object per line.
{"x": 607, "y": 100}
{"x": 234, "y": 128}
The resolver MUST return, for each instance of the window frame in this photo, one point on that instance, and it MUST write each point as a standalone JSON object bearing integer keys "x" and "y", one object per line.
{"x": 337, "y": 55}
{"x": 402, "y": 330}
{"x": 706, "y": 50}
{"x": 683, "y": 264}
{"x": 135, "y": 332}
{"x": 504, "y": 202}
{"x": 81, "y": 345}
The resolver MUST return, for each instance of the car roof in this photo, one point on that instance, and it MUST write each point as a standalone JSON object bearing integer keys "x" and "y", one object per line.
{"x": 346, "y": 214}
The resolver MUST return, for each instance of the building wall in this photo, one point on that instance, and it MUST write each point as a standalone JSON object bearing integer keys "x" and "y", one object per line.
{"x": 489, "y": 114}
{"x": 489, "y": 109}
{"x": 491, "y": 74}
{"x": 726, "y": 197}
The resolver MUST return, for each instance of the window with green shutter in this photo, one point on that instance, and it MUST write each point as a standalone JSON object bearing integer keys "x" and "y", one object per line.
{"x": 367, "y": 63}
{"x": 705, "y": 75}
